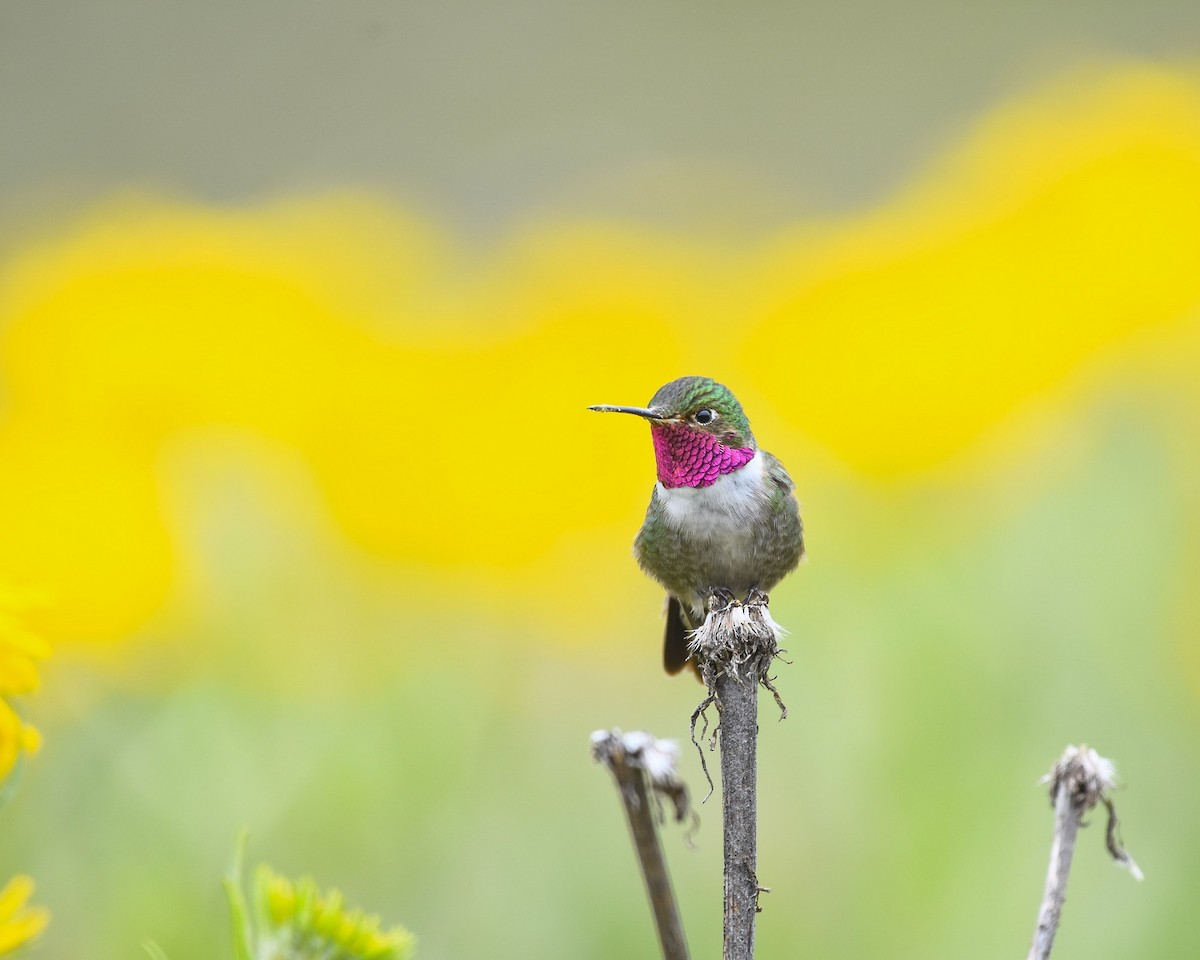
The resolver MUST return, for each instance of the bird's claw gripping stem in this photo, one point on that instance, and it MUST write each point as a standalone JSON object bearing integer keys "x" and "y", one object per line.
{"x": 720, "y": 599}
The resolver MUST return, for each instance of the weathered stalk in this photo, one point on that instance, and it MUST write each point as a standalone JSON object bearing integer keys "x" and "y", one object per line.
{"x": 737, "y": 698}
{"x": 635, "y": 758}
{"x": 734, "y": 650}
{"x": 1080, "y": 779}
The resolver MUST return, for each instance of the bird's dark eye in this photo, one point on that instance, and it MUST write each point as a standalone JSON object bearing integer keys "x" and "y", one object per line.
{"x": 704, "y": 415}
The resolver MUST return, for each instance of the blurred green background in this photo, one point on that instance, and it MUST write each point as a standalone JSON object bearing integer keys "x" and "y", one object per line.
{"x": 301, "y": 305}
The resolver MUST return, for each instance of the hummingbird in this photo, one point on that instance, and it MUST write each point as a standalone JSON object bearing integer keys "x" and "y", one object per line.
{"x": 723, "y": 516}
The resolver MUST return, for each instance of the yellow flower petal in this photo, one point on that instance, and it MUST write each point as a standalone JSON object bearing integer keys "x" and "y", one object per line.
{"x": 11, "y": 738}
{"x": 16, "y": 737}
{"x": 18, "y": 638}
{"x": 23, "y": 929}
{"x": 18, "y": 675}
{"x": 31, "y": 739}
{"x": 14, "y": 895}
{"x": 19, "y": 923}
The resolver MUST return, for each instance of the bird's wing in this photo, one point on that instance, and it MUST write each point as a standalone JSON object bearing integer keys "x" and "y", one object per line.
{"x": 675, "y": 643}
{"x": 777, "y": 472}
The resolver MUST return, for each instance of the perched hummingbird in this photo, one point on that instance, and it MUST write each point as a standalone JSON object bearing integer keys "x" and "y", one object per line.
{"x": 722, "y": 517}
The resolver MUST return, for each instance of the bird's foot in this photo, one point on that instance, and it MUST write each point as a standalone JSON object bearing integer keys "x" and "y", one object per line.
{"x": 756, "y": 597}
{"x": 720, "y": 599}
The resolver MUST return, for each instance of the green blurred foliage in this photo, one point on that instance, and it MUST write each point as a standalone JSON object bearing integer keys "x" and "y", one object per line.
{"x": 404, "y": 741}
{"x": 932, "y": 681}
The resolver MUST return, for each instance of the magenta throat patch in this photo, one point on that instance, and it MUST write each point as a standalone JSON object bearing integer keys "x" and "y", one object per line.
{"x": 690, "y": 458}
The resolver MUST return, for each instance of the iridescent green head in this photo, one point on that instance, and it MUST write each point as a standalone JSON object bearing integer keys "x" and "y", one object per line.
{"x": 706, "y": 406}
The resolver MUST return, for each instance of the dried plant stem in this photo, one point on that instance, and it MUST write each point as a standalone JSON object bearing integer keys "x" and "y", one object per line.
{"x": 624, "y": 756}
{"x": 737, "y": 700}
{"x": 734, "y": 649}
{"x": 1062, "y": 850}
{"x": 1080, "y": 779}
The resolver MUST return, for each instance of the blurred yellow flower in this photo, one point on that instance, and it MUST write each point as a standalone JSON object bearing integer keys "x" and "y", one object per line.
{"x": 16, "y": 738}
{"x": 295, "y": 920}
{"x": 1069, "y": 222}
{"x": 440, "y": 410}
{"x": 19, "y": 922}
{"x": 19, "y": 649}
{"x": 302, "y": 923}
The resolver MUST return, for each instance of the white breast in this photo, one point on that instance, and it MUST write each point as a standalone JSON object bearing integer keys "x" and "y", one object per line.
{"x": 721, "y": 509}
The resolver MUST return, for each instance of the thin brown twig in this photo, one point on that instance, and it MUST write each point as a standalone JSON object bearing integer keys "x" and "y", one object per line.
{"x": 641, "y": 763}
{"x": 1080, "y": 779}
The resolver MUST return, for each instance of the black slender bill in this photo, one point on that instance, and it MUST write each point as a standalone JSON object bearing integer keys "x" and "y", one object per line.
{"x": 636, "y": 411}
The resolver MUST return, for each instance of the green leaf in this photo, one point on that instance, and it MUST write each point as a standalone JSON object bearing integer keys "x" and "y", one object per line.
{"x": 238, "y": 915}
